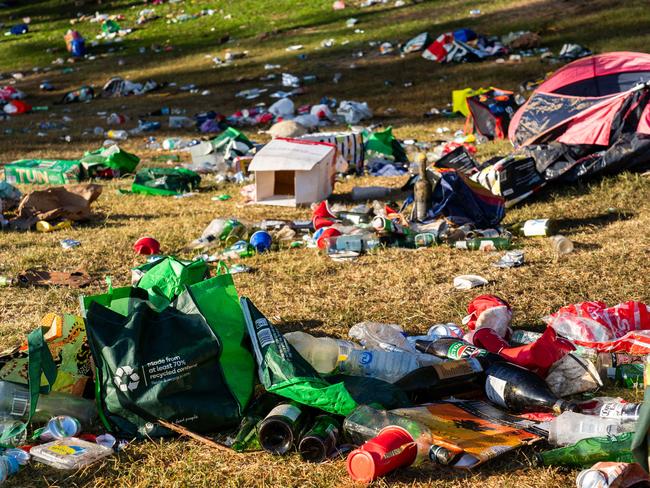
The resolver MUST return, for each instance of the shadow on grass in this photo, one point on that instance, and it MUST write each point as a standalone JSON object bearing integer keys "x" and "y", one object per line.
{"x": 570, "y": 226}
{"x": 299, "y": 325}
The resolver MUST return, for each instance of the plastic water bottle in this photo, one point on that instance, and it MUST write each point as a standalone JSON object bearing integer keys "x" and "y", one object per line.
{"x": 389, "y": 366}
{"x": 117, "y": 135}
{"x": 60, "y": 427}
{"x": 321, "y": 352}
{"x": 571, "y": 427}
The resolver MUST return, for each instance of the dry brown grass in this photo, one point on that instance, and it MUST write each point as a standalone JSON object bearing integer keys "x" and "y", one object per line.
{"x": 301, "y": 289}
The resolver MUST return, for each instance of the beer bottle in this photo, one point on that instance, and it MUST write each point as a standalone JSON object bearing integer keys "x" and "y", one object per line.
{"x": 534, "y": 228}
{"x": 320, "y": 440}
{"x": 515, "y": 388}
{"x": 246, "y": 438}
{"x": 454, "y": 348}
{"x": 462, "y": 376}
{"x": 589, "y": 451}
{"x": 280, "y": 429}
{"x": 422, "y": 192}
{"x": 484, "y": 244}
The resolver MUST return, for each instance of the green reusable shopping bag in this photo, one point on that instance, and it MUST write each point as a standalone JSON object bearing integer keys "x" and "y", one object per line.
{"x": 120, "y": 300}
{"x": 186, "y": 364}
{"x": 165, "y": 181}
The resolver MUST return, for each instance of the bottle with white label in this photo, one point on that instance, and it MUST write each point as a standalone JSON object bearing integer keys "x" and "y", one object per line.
{"x": 389, "y": 366}
{"x": 518, "y": 389}
{"x": 534, "y": 228}
{"x": 484, "y": 244}
{"x": 281, "y": 428}
{"x": 611, "y": 408}
{"x": 571, "y": 427}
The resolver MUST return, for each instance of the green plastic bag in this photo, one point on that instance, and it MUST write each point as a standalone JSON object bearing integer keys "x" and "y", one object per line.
{"x": 111, "y": 157}
{"x": 165, "y": 181}
{"x": 284, "y": 372}
{"x": 384, "y": 143}
{"x": 168, "y": 276}
{"x": 229, "y": 136}
{"x": 183, "y": 364}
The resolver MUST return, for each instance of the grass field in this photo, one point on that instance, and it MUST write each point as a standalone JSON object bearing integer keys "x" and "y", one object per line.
{"x": 608, "y": 219}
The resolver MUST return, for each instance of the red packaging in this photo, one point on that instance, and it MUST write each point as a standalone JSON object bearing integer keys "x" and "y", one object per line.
{"x": 329, "y": 232}
{"x": 393, "y": 448}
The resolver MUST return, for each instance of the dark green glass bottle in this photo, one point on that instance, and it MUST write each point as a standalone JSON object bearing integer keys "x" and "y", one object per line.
{"x": 590, "y": 451}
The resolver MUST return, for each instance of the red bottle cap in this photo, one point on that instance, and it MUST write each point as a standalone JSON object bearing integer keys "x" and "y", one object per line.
{"x": 146, "y": 246}
{"x": 391, "y": 449}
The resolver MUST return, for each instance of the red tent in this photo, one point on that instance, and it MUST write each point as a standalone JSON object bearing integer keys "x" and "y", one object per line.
{"x": 594, "y": 108}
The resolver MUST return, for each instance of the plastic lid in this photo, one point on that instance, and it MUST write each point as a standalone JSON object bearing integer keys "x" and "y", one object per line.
{"x": 361, "y": 466}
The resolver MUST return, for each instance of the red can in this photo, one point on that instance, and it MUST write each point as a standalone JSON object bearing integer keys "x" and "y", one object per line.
{"x": 392, "y": 448}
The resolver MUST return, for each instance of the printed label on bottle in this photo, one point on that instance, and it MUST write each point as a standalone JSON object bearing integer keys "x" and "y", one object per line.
{"x": 495, "y": 390}
{"x": 19, "y": 404}
{"x": 285, "y": 410}
{"x": 487, "y": 245}
{"x": 535, "y": 227}
{"x": 459, "y": 350}
{"x": 454, "y": 369}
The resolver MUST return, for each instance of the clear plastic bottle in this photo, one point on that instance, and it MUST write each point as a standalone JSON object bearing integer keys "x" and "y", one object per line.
{"x": 321, "y": 352}
{"x": 14, "y": 404}
{"x": 365, "y": 423}
{"x": 389, "y": 366}
{"x": 571, "y": 427}
{"x": 118, "y": 135}
{"x": 59, "y": 427}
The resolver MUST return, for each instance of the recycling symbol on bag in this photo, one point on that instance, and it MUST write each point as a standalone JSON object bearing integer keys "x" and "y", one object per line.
{"x": 126, "y": 378}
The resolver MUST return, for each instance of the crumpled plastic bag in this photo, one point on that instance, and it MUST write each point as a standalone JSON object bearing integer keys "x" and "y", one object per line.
{"x": 354, "y": 112}
{"x": 70, "y": 202}
{"x": 596, "y": 322}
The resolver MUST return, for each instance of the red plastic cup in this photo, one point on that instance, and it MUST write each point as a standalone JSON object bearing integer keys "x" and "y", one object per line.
{"x": 319, "y": 222}
{"x": 323, "y": 210}
{"x": 329, "y": 232}
{"x": 146, "y": 246}
{"x": 393, "y": 448}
